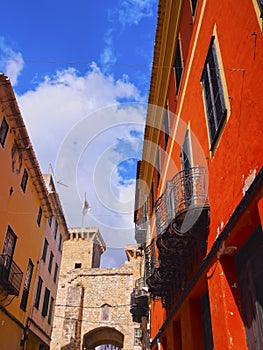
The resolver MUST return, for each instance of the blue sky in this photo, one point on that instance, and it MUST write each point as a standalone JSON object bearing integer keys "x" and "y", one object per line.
{"x": 81, "y": 73}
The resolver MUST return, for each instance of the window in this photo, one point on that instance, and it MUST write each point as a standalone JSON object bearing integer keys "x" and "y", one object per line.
{"x": 193, "y": 6}
{"x": 55, "y": 230}
{"x": 8, "y": 248}
{"x": 24, "y": 181}
{"x": 137, "y": 336}
{"x": 50, "y": 220}
{"x": 77, "y": 265}
{"x": 178, "y": 66}
{"x": 213, "y": 94}
{"x": 39, "y": 287}
{"x": 50, "y": 310}
{"x": 249, "y": 266}
{"x": 105, "y": 312}
{"x": 158, "y": 165}
{"x": 51, "y": 257}
{"x": 56, "y": 273}
{"x": 60, "y": 243}
{"x": 45, "y": 302}
{"x": 260, "y": 4}
{"x": 39, "y": 216}
{"x": 44, "y": 253}
{"x": 166, "y": 128}
{"x": 3, "y": 131}
{"x": 27, "y": 283}
{"x": 206, "y": 322}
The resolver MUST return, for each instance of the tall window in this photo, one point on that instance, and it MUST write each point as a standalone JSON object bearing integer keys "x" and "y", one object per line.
{"x": 9, "y": 247}
{"x": 24, "y": 181}
{"x": 27, "y": 283}
{"x": 3, "y": 131}
{"x": 55, "y": 229}
{"x": 39, "y": 288}
{"x": 166, "y": 127}
{"x": 50, "y": 310}
{"x": 50, "y": 220}
{"x": 213, "y": 94}
{"x": 60, "y": 243}
{"x": 105, "y": 312}
{"x": 44, "y": 253}
{"x": 249, "y": 266}
{"x": 45, "y": 302}
{"x": 260, "y": 4}
{"x": 39, "y": 216}
{"x": 51, "y": 257}
{"x": 178, "y": 66}
{"x": 193, "y": 6}
{"x": 56, "y": 273}
{"x": 206, "y": 322}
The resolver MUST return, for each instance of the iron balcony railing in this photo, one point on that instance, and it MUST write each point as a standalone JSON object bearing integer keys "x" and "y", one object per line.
{"x": 186, "y": 190}
{"x": 150, "y": 259}
{"x": 139, "y": 301}
{"x": 10, "y": 275}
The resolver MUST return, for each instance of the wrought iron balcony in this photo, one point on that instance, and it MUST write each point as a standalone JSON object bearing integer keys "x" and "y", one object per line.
{"x": 10, "y": 275}
{"x": 150, "y": 259}
{"x": 182, "y": 222}
{"x": 186, "y": 191}
{"x": 141, "y": 228}
{"x": 139, "y": 301}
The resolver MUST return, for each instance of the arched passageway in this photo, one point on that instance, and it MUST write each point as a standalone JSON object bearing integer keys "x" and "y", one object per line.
{"x": 103, "y": 336}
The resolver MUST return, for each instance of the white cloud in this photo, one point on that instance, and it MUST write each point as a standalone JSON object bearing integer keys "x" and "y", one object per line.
{"x": 133, "y": 11}
{"x": 11, "y": 62}
{"x": 79, "y": 120}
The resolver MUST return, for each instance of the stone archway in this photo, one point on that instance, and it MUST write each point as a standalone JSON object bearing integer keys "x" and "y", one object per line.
{"x": 101, "y": 336}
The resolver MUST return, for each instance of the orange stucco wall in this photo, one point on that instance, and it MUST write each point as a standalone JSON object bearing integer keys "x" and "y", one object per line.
{"x": 237, "y": 157}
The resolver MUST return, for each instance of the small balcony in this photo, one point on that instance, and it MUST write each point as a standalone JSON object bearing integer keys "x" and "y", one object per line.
{"x": 10, "y": 275}
{"x": 139, "y": 301}
{"x": 182, "y": 223}
{"x": 141, "y": 228}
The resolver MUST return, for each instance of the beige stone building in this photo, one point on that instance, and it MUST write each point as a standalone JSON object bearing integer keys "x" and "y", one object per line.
{"x": 93, "y": 304}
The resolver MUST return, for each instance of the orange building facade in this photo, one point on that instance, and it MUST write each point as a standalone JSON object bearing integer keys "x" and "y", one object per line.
{"x": 199, "y": 206}
{"x": 30, "y": 214}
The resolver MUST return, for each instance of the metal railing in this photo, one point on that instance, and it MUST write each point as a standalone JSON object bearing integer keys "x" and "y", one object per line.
{"x": 150, "y": 259}
{"x": 187, "y": 189}
{"x": 10, "y": 275}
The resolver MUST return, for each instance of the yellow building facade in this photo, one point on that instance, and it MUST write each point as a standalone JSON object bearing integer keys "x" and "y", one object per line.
{"x": 26, "y": 207}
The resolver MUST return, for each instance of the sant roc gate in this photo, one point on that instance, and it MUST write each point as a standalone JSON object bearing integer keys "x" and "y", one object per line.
{"x": 93, "y": 304}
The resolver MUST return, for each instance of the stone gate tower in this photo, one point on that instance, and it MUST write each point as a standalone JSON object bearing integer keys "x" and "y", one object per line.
{"x": 93, "y": 303}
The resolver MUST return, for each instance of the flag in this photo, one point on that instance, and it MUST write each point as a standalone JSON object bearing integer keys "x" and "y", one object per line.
{"x": 85, "y": 206}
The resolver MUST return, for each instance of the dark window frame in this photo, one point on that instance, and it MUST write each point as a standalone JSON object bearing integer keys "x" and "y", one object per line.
{"x": 50, "y": 218}
{"x": 44, "y": 252}
{"x": 50, "y": 263}
{"x": 39, "y": 216}
{"x": 45, "y": 302}
{"x": 3, "y": 131}
{"x": 24, "y": 180}
{"x": 260, "y": 5}
{"x": 60, "y": 243}
{"x": 193, "y": 6}
{"x": 55, "y": 273}
{"x": 50, "y": 312}
{"x": 55, "y": 230}
{"x": 27, "y": 283}
{"x": 166, "y": 126}
{"x": 178, "y": 66}
{"x": 214, "y": 97}
{"x": 38, "y": 293}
